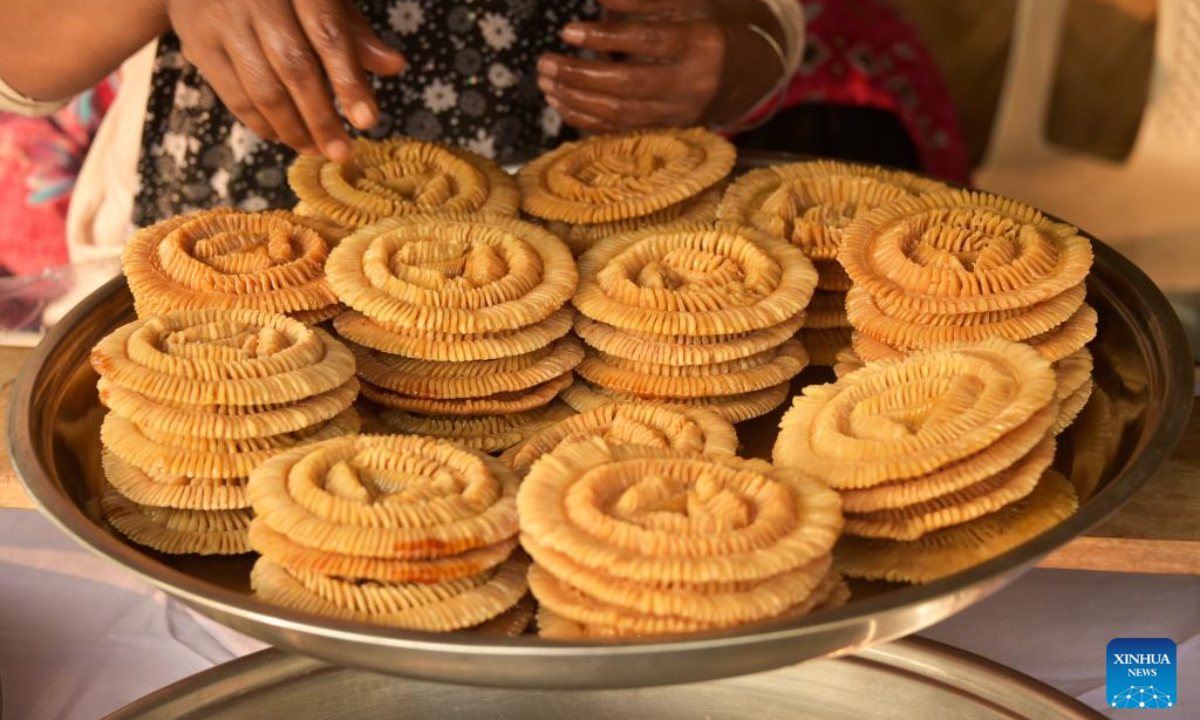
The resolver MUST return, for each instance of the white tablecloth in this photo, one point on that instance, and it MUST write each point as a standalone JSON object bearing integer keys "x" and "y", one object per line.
{"x": 80, "y": 638}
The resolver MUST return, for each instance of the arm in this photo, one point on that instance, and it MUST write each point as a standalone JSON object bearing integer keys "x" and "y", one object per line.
{"x": 55, "y": 49}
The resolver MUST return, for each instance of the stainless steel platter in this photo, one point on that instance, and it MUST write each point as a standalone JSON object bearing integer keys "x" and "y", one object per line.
{"x": 1142, "y": 361}
{"x": 906, "y": 679}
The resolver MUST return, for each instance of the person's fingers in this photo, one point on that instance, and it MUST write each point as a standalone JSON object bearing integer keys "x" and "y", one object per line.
{"x": 267, "y": 91}
{"x": 640, "y": 81}
{"x": 618, "y": 111}
{"x": 292, "y": 58}
{"x": 578, "y": 119}
{"x": 374, "y": 54}
{"x": 666, "y": 40}
{"x": 220, "y": 74}
{"x": 326, "y": 24}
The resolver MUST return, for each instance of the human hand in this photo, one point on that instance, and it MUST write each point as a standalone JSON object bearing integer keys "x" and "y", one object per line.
{"x": 274, "y": 62}
{"x": 678, "y": 63}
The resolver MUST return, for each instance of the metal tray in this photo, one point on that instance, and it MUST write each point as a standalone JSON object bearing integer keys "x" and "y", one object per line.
{"x": 906, "y": 679}
{"x": 1142, "y": 361}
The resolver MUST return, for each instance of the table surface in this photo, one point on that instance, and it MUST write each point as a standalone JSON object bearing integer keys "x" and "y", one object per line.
{"x": 1158, "y": 531}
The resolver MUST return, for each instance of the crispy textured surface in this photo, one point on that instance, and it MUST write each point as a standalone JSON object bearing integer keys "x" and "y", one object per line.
{"x": 679, "y": 428}
{"x": 400, "y": 176}
{"x": 389, "y": 496}
{"x": 694, "y": 280}
{"x": 680, "y": 350}
{"x": 608, "y": 178}
{"x": 177, "y": 491}
{"x": 811, "y": 203}
{"x": 223, "y": 357}
{"x": 583, "y": 396}
{"x": 178, "y": 532}
{"x": 518, "y": 401}
{"x": 224, "y": 258}
{"x": 962, "y": 252}
{"x": 701, "y": 208}
{"x": 485, "y": 433}
{"x": 898, "y": 420}
{"x": 955, "y": 549}
{"x": 466, "y": 274}
{"x": 472, "y": 378}
{"x": 824, "y": 345}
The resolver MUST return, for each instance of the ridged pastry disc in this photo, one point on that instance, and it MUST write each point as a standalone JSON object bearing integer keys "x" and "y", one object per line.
{"x": 316, "y": 317}
{"x": 465, "y": 274}
{"x": 962, "y": 252}
{"x": 583, "y": 396}
{"x": 1072, "y": 372}
{"x": 913, "y": 521}
{"x": 214, "y": 421}
{"x": 178, "y": 491}
{"x": 485, "y": 433}
{"x": 1071, "y": 406}
{"x": 680, "y": 350}
{"x": 223, "y": 357}
{"x": 736, "y": 377}
{"x": 658, "y": 516}
{"x": 810, "y": 203}
{"x": 696, "y": 280}
{"x": 679, "y": 428}
{"x": 580, "y": 238}
{"x": 438, "y": 607}
{"x": 157, "y": 453}
{"x": 958, "y": 548}
{"x": 513, "y": 622}
{"x": 846, "y": 362}
{"x": 401, "y": 176}
{"x": 870, "y": 350}
{"x": 1070, "y": 337}
{"x": 390, "y": 496}
{"x": 472, "y": 378}
{"x": 929, "y": 329}
{"x": 178, "y": 532}
{"x": 277, "y": 548}
{"x": 606, "y": 178}
{"x": 224, "y": 258}
{"x": 904, "y": 419}
{"x": 823, "y": 345}
{"x": 453, "y": 347}
{"x": 510, "y": 402}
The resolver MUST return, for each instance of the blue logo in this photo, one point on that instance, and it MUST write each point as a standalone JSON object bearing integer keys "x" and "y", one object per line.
{"x": 1141, "y": 673}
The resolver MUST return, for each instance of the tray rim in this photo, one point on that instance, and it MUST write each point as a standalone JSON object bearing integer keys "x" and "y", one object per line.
{"x": 887, "y": 615}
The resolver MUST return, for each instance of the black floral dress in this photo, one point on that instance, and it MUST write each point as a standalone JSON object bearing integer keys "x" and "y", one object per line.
{"x": 470, "y": 82}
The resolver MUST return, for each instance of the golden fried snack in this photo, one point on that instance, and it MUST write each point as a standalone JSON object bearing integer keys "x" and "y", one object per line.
{"x": 608, "y": 178}
{"x": 694, "y": 280}
{"x": 442, "y": 606}
{"x": 831, "y": 277}
{"x": 244, "y": 358}
{"x": 811, "y": 203}
{"x": 699, "y": 209}
{"x": 823, "y": 345}
{"x": 684, "y": 429}
{"x": 400, "y": 176}
{"x": 962, "y": 252}
{"x": 224, "y": 258}
{"x": 513, "y": 622}
{"x": 1072, "y": 372}
{"x": 453, "y": 274}
{"x": 1094, "y": 439}
{"x": 680, "y": 350}
{"x": 392, "y": 496}
{"x": 957, "y": 548}
{"x": 509, "y": 402}
{"x": 178, "y": 532}
{"x": 845, "y": 362}
{"x": 583, "y": 396}
{"x": 870, "y": 350}
{"x": 1070, "y": 337}
{"x": 469, "y": 379}
{"x": 453, "y": 347}
{"x": 485, "y": 433}
{"x": 1071, "y": 406}
{"x": 316, "y": 317}
{"x": 657, "y": 516}
{"x": 174, "y": 491}
{"x": 736, "y": 377}
{"x": 904, "y": 419}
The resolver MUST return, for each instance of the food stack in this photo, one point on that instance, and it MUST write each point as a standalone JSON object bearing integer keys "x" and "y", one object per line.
{"x": 630, "y": 540}
{"x": 411, "y": 532}
{"x": 810, "y": 204}
{"x": 679, "y": 428}
{"x": 700, "y": 315}
{"x": 965, "y": 266}
{"x": 224, "y": 258}
{"x": 197, "y": 400}
{"x": 609, "y": 184}
{"x": 400, "y": 176}
{"x": 941, "y": 459}
{"x": 459, "y": 324}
